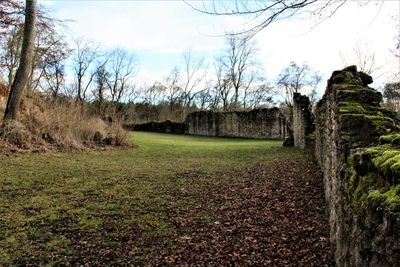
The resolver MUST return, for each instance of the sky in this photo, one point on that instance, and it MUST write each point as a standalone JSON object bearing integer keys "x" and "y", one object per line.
{"x": 158, "y": 32}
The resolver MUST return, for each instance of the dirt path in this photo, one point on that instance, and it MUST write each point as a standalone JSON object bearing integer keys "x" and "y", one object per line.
{"x": 251, "y": 222}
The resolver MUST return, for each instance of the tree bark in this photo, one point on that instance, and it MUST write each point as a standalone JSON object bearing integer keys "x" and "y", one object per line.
{"x": 22, "y": 75}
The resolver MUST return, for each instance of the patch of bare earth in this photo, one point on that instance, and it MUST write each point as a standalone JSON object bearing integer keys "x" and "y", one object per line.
{"x": 267, "y": 215}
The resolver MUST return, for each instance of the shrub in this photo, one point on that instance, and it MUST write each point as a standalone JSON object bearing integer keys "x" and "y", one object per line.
{"x": 60, "y": 125}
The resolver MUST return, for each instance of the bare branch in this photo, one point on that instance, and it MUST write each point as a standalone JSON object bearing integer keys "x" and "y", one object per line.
{"x": 262, "y": 13}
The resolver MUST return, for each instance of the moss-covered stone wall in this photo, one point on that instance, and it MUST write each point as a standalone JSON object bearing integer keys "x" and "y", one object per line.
{"x": 303, "y": 121}
{"x": 358, "y": 148}
{"x": 258, "y": 123}
{"x": 158, "y": 127}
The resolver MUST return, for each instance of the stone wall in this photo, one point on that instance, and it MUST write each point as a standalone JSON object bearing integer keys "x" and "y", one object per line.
{"x": 303, "y": 121}
{"x": 158, "y": 127}
{"x": 258, "y": 123}
{"x": 358, "y": 149}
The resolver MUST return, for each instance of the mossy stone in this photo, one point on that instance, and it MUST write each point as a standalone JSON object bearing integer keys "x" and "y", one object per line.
{"x": 390, "y": 197}
{"x": 361, "y": 94}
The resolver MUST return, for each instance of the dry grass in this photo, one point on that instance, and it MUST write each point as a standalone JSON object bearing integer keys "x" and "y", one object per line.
{"x": 53, "y": 125}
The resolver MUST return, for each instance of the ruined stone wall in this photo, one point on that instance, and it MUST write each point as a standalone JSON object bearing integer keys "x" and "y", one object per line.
{"x": 158, "y": 127}
{"x": 358, "y": 149}
{"x": 258, "y": 123}
{"x": 303, "y": 121}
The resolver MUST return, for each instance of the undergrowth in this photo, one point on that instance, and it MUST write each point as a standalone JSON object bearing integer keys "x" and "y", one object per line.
{"x": 46, "y": 124}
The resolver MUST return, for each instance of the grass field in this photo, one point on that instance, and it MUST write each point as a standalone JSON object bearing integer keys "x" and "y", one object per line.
{"x": 125, "y": 206}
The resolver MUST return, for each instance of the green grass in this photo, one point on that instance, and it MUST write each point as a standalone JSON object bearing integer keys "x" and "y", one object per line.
{"x": 64, "y": 207}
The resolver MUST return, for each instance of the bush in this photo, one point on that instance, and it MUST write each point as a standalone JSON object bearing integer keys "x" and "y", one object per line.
{"x": 61, "y": 125}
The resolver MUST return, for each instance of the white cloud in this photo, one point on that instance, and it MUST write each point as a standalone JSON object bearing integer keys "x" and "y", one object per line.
{"x": 332, "y": 42}
{"x": 163, "y": 27}
{"x": 159, "y": 31}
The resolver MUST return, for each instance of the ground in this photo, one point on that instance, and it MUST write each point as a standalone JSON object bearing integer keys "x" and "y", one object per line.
{"x": 172, "y": 200}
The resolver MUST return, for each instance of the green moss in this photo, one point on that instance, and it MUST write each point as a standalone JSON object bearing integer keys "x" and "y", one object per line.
{"x": 357, "y": 113}
{"x": 353, "y": 107}
{"x": 383, "y": 124}
{"x": 387, "y": 139}
{"x": 391, "y": 197}
{"x": 57, "y": 243}
{"x": 376, "y": 184}
{"x": 311, "y": 136}
{"x": 353, "y": 117}
{"x": 385, "y": 157}
{"x": 352, "y": 182}
{"x": 361, "y": 186}
{"x": 393, "y": 139}
{"x": 345, "y": 77}
{"x": 389, "y": 163}
{"x": 380, "y": 114}
{"x": 381, "y": 121}
{"x": 374, "y": 151}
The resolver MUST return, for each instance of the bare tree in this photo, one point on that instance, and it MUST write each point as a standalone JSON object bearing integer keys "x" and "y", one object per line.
{"x": 50, "y": 52}
{"x": 261, "y": 14}
{"x": 151, "y": 94}
{"x": 173, "y": 86}
{"x": 259, "y": 96}
{"x": 83, "y": 61}
{"x": 204, "y": 97}
{"x": 151, "y": 97}
{"x": 314, "y": 80}
{"x": 11, "y": 52}
{"x": 252, "y": 81}
{"x": 22, "y": 76}
{"x": 365, "y": 58}
{"x": 239, "y": 65}
{"x": 101, "y": 78}
{"x": 54, "y": 75}
{"x": 49, "y": 45}
{"x": 192, "y": 75}
{"x": 215, "y": 98}
{"x": 173, "y": 89}
{"x": 122, "y": 67}
{"x": 11, "y": 12}
{"x": 222, "y": 83}
{"x": 294, "y": 78}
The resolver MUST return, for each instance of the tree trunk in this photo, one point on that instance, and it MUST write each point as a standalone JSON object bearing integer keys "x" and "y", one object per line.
{"x": 22, "y": 76}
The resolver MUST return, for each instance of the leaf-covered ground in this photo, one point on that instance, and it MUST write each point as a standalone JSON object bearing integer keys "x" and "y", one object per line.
{"x": 173, "y": 201}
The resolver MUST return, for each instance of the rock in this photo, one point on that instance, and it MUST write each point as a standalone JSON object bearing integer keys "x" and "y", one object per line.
{"x": 352, "y": 68}
{"x": 359, "y": 94}
{"x": 365, "y": 78}
{"x": 357, "y": 150}
{"x": 303, "y": 120}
